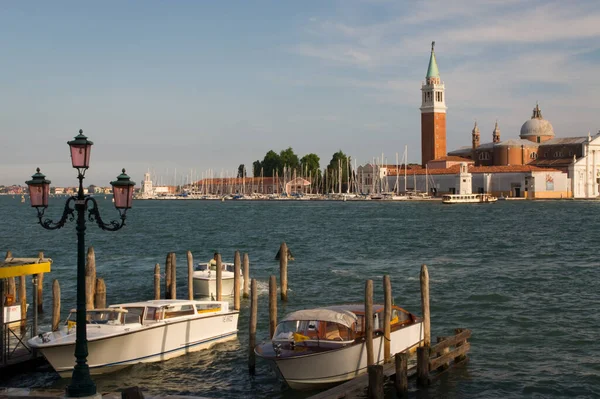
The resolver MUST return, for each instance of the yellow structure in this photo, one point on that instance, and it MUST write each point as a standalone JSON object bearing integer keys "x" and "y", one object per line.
{"x": 15, "y": 267}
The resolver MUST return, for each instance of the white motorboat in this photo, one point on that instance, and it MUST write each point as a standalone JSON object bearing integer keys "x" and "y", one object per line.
{"x": 316, "y": 348}
{"x": 468, "y": 199}
{"x": 139, "y": 332}
{"x": 205, "y": 279}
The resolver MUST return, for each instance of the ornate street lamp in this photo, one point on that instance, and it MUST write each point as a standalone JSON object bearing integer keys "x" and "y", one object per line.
{"x": 81, "y": 383}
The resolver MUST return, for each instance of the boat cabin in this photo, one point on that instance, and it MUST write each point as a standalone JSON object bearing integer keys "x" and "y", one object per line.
{"x": 334, "y": 326}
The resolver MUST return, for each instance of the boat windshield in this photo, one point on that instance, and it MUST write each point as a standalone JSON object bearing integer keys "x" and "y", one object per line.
{"x": 312, "y": 330}
{"x": 99, "y": 316}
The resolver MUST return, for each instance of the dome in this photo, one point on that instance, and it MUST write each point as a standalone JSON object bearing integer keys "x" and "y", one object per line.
{"x": 536, "y": 126}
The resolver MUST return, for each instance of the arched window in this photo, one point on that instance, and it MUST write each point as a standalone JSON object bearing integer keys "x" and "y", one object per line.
{"x": 533, "y": 155}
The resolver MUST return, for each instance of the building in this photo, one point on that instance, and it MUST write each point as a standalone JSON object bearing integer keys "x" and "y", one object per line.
{"x": 433, "y": 113}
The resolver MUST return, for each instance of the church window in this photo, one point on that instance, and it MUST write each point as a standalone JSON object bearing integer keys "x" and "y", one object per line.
{"x": 533, "y": 155}
{"x": 441, "y": 96}
{"x": 539, "y": 139}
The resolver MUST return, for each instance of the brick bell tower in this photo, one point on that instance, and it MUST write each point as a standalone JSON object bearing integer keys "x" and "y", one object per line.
{"x": 433, "y": 114}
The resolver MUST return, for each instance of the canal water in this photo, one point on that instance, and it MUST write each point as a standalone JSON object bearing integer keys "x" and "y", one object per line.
{"x": 523, "y": 276}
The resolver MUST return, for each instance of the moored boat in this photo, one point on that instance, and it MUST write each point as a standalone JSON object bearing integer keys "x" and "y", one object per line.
{"x": 316, "y": 348}
{"x": 139, "y": 332}
{"x": 205, "y": 279}
{"x": 468, "y": 199}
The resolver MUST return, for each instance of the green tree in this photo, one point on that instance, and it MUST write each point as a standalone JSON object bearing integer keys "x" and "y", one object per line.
{"x": 241, "y": 171}
{"x": 339, "y": 159}
{"x": 310, "y": 165}
{"x": 256, "y": 167}
{"x": 289, "y": 159}
{"x": 271, "y": 164}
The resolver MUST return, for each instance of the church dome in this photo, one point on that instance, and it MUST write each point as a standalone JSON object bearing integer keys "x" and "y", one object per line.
{"x": 537, "y": 126}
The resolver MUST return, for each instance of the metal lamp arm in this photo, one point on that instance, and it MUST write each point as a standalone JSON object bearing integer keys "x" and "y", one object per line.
{"x": 94, "y": 216}
{"x": 68, "y": 214}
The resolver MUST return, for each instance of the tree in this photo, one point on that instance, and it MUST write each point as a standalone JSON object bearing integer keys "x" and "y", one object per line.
{"x": 271, "y": 164}
{"x": 310, "y": 165}
{"x": 241, "y": 171}
{"x": 339, "y": 159}
{"x": 289, "y": 160}
{"x": 256, "y": 167}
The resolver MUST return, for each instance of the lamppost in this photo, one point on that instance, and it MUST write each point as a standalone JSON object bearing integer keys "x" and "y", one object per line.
{"x": 39, "y": 188}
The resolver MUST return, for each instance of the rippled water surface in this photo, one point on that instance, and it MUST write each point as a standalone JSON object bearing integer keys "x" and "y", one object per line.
{"x": 523, "y": 276}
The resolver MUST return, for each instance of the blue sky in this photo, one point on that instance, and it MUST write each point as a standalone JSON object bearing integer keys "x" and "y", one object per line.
{"x": 198, "y": 85}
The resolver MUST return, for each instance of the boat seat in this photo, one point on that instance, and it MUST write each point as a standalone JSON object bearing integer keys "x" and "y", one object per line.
{"x": 332, "y": 333}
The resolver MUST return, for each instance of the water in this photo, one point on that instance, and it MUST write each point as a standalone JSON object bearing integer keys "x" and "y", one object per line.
{"x": 523, "y": 276}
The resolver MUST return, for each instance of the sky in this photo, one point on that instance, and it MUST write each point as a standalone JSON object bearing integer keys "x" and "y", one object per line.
{"x": 179, "y": 88}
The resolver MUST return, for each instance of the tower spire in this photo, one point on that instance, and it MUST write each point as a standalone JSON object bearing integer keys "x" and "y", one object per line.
{"x": 432, "y": 70}
{"x": 496, "y": 133}
{"x": 475, "y": 136}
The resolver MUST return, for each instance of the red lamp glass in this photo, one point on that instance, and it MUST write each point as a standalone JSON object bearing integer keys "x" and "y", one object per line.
{"x": 39, "y": 189}
{"x": 123, "y": 191}
{"x": 81, "y": 148}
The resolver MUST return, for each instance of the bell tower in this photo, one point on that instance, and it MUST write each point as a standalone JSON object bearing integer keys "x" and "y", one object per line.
{"x": 433, "y": 113}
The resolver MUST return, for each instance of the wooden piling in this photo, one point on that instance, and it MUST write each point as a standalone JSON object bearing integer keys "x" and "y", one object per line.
{"x": 100, "y": 294}
{"x": 387, "y": 298}
{"x": 401, "y": 381}
{"x": 34, "y": 283}
{"x": 423, "y": 366}
{"x": 369, "y": 321}
{"x": 272, "y": 305}
{"x": 168, "y": 276}
{"x": 55, "y": 304}
{"x": 252, "y": 329}
{"x": 219, "y": 281}
{"x": 459, "y": 358}
{"x": 190, "y": 264}
{"x": 443, "y": 352}
{"x": 236, "y": 281}
{"x": 375, "y": 381}
{"x": 157, "y": 281}
{"x": 173, "y": 276}
{"x": 8, "y": 255}
{"x": 12, "y": 289}
{"x": 425, "y": 305}
{"x": 40, "y": 288}
{"x": 283, "y": 261}
{"x": 23, "y": 301}
{"x": 90, "y": 278}
{"x": 246, "y": 274}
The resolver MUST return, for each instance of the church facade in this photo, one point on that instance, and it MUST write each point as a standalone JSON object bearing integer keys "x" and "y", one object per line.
{"x": 536, "y": 164}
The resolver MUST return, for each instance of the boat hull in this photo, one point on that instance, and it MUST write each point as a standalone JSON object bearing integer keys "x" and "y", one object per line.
{"x": 323, "y": 369}
{"x": 144, "y": 345}
{"x": 207, "y": 286}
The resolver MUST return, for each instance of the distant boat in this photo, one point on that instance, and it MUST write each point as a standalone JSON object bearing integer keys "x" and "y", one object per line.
{"x": 468, "y": 199}
{"x": 22, "y": 198}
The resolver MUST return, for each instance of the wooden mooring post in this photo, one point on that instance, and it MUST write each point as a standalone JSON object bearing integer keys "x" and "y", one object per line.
{"x": 168, "y": 276}
{"x": 55, "y": 305}
{"x": 375, "y": 381}
{"x": 387, "y": 299}
{"x": 23, "y": 301}
{"x": 90, "y": 278}
{"x": 40, "y": 288}
{"x": 283, "y": 262}
{"x": 272, "y": 305}
{"x": 100, "y": 294}
{"x": 369, "y": 321}
{"x": 401, "y": 380}
{"x": 236, "y": 280}
{"x": 246, "y": 266}
{"x": 190, "y": 281}
{"x": 425, "y": 305}
{"x": 157, "y": 281}
{"x": 252, "y": 328}
{"x": 173, "y": 276}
